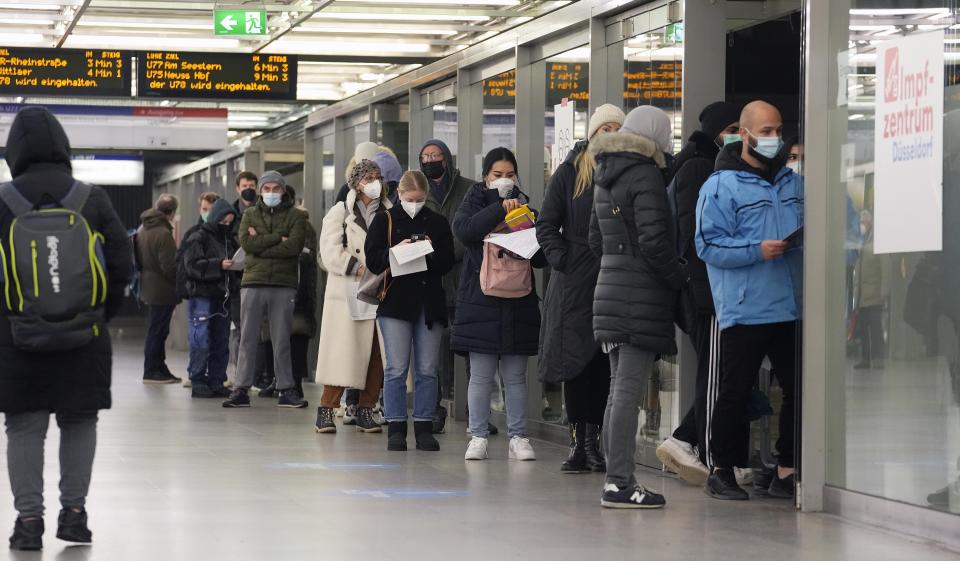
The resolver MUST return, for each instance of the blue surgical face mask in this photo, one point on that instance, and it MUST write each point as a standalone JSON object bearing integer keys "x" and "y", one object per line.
{"x": 272, "y": 199}
{"x": 731, "y": 138}
{"x": 204, "y": 215}
{"x": 767, "y": 146}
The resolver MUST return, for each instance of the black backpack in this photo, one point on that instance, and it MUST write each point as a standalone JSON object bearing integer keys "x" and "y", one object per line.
{"x": 57, "y": 282}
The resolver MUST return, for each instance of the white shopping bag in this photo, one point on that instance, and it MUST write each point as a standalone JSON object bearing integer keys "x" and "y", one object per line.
{"x": 359, "y": 310}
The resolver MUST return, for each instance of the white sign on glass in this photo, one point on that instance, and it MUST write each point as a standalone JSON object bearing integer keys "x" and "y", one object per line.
{"x": 563, "y": 141}
{"x": 908, "y": 145}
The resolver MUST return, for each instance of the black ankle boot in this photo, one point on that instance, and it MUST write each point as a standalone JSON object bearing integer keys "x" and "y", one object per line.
{"x": 423, "y": 431}
{"x": 72, "y": 526}
{"x": 397, "y": 436}
{"x": 27, "y": 535}
{"x": 591, "y": 447}
{"x": 576, "y": 462}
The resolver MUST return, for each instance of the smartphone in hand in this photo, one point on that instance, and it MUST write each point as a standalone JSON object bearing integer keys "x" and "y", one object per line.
{"x": 418, "y": 238}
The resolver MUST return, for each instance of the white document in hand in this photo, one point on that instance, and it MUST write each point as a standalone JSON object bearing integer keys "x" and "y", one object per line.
{"x": 523, "y": 243}
{"x": 410, "y": 258}
{"x": 239, "y": 259}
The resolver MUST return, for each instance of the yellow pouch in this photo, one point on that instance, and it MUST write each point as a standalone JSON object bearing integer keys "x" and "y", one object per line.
{"x": 520, "y": 219}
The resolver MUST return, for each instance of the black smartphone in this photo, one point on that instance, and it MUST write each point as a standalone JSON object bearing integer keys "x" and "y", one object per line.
{"x": 795, "y": 239}
{"x": 418, "y": 238}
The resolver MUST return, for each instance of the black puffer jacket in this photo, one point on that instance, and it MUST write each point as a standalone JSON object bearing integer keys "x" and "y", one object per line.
{"x": 207, "y": 247}
{"x": 488, "y": 324}
{"x": 566, "y": 335}
{"x": 38, "y": 153}
{"x": 305, "y": 304}
{"x": 693, "y": 166}
{"x": 631, "y": 228}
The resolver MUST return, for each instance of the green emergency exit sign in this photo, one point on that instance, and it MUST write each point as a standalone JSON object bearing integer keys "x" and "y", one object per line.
{"x": 240, "y": 22}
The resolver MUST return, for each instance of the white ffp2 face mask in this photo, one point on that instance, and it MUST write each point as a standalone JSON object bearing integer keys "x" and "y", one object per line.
{"x": 411, "y": 208}
{"x": 504, "y": 186}
{"x": 373, "y": 189}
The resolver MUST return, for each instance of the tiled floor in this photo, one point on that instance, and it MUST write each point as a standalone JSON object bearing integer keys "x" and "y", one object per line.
{"x": 181, "y": 479}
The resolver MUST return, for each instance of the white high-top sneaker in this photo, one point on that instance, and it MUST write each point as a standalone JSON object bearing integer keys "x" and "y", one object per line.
{"x": 680, "y": 457}
{"x": 520, "y": 449}
{"x": 477, "y": 449}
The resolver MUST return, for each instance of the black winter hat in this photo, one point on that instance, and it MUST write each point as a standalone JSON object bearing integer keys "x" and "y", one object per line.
{"x": 718, "y": 116}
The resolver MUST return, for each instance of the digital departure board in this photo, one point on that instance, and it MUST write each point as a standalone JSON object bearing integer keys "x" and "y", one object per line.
{"x": 225, "y": 76}
{"x": 58, "y": 72}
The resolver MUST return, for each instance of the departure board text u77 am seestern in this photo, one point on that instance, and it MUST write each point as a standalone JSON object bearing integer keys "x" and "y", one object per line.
{"x": 227, "y": 76}
{"x": 62, "y": 72}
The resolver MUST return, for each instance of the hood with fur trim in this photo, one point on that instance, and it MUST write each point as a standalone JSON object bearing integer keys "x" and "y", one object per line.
{"x": 616, "y": 152}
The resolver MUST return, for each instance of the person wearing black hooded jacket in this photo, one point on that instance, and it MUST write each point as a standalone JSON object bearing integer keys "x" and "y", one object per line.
{"x": 447, "y": 190}
{"x": 687, "y": 451}
{"x": 209, "y": 283}
{"x": 640, "y": 275}
{"x": 568, "y": 352}
{"x": 73, "y": 385}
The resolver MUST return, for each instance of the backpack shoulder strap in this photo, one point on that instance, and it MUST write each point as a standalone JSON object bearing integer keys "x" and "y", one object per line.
{"x": 77, "y": 196}
{"x": 15, "y": 201}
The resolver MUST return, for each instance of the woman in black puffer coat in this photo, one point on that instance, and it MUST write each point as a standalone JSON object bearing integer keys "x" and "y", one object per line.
{"x": 73, "y": 385}
{"x": 640, "y": 275}
{"x": 568, "y": 352}
{"x": 495, "y": 332}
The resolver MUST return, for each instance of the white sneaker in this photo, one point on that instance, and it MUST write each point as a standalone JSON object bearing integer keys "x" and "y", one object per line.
{"x": 680, "y": 457}
{"x": 520, "y": 449}
{"x": 186, "y": 382}
{"x": 744, "y": 476}
{"x": 477, "y": 450}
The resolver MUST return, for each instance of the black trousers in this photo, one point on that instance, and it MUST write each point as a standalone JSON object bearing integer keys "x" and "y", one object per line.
{"x": 871, "y": 333}
{"x": 743, "y": 348}
{"x": 695, "y": 426}
{"x": 586, "y": 395}
{"x": 154, "y": 348}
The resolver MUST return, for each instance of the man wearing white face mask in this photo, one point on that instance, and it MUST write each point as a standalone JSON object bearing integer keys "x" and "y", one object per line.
{"x": 744, "y": 212}
{"x": 272, "y": 233}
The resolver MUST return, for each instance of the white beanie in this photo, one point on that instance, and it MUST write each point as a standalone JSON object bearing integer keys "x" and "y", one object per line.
{"x": 365, "y": 151}
{"x": 604, "y": 114}
{"x": 651, "y": 123}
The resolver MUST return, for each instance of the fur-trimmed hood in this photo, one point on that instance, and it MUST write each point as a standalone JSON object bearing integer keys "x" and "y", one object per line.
{"x": 610, "y": 143}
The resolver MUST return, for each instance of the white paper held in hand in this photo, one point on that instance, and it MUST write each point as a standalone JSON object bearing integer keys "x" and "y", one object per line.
{"x": 410, "y": 258}
{"x": 239, "y": 259}
{"x": 523, "y": 243}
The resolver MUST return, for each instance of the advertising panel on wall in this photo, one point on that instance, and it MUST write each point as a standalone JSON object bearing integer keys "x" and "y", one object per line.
{"x": 134, "y": 128}
{"x": 908, "y": 145}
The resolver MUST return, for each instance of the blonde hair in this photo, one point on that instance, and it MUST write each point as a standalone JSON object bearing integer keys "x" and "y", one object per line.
{"x": 413, "y": 180}
{"x": 585, "y": 165}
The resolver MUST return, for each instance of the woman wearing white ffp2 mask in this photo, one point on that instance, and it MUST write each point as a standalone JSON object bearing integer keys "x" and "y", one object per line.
{"x": 413, "y": 314}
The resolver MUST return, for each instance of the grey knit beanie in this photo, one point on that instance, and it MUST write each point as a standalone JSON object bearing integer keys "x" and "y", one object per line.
{"x": 271, "y": 177}
{"x": 362, "y": 168}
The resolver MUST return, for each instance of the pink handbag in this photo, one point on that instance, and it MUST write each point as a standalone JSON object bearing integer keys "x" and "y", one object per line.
{"x": 503, "y": 274}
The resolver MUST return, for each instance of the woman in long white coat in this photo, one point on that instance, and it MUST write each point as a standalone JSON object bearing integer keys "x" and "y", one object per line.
{"x": 350, "y": 352}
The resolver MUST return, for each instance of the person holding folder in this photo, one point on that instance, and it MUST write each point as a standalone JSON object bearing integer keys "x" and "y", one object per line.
{"x": 413, "y": 315}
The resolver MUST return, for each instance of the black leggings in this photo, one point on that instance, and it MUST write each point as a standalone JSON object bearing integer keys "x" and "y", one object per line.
{"x": 586, "y": 395}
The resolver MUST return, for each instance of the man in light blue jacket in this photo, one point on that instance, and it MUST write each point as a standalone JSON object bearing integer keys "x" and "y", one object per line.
{"x": 746, "y": 209}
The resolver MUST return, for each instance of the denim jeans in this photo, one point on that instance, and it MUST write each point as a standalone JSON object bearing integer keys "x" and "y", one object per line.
{"x": 154, "y": 348}
{"x": 209, "y": 339}
{"x": 399, "y": 339}
{"x": 513, "y": 372}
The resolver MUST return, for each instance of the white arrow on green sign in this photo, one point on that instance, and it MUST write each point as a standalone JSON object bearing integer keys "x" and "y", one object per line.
{"x": 240, "y": 22}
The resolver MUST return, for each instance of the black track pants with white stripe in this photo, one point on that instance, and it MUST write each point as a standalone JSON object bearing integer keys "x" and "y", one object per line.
{"x": 705, "y": 337}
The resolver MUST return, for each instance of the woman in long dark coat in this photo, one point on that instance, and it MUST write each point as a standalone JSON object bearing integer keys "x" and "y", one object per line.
{"x": 568, "y": 352}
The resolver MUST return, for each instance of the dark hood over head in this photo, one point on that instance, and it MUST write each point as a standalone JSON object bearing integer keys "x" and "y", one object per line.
{"x": 36, "y": 137}
{"x": 450, "y": 172}
{"x": 220, "y": 209}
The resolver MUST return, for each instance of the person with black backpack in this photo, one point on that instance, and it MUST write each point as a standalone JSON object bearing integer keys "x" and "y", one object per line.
{"x": 207, "y": 264}
{"x": 54, "y": 343}
{"x": 686, "y": 452}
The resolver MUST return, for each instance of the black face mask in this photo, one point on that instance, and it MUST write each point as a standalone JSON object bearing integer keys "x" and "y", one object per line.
{"x": 224, "y": 228}
{"x": 249, "y": 194}
{"x": 433, "y": 170}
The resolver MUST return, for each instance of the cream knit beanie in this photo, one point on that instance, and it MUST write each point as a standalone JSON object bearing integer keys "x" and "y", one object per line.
{"x": 604, "y": 114}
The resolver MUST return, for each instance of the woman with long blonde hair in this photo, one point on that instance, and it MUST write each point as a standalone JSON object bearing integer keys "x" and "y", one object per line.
{"x": 568, "y": 352}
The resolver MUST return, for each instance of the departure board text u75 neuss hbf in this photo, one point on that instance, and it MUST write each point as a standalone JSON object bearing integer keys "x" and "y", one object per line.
{"x": 227, "y": 76}
{"x": 63, "y": 72}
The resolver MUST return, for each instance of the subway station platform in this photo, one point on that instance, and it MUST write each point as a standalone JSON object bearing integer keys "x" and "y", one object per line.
{"x": 184, "y": 479}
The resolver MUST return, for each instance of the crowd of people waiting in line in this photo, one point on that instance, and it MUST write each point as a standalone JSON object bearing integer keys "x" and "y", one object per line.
{"x": 639, "y": 240}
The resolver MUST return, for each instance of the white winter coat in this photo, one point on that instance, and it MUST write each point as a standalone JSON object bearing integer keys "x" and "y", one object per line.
{"x": 345, "y": 344}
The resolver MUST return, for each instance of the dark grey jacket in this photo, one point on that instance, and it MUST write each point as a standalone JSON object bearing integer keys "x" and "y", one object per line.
{"x": 632, "y": 229}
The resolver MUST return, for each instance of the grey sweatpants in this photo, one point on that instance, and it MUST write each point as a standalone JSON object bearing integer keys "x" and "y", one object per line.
{"x": 26, "y": 433}
{"x": 277, "y": 304}
{"x": 630, "y": 369}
